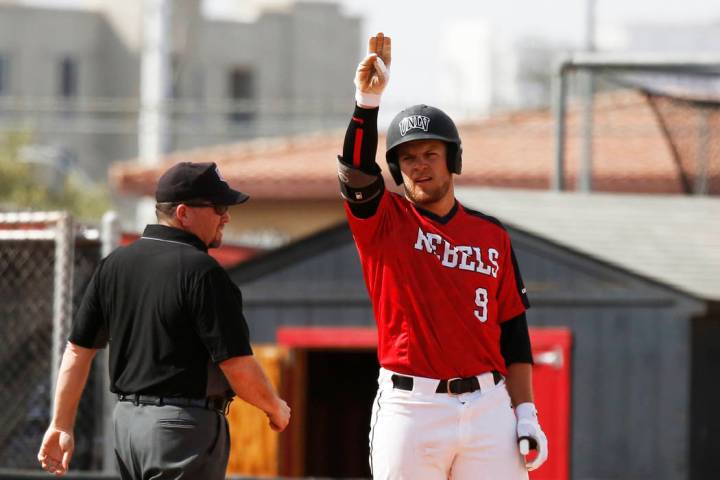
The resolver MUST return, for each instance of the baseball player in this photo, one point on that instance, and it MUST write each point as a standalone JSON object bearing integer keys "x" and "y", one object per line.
{"x": 454, "y": 393}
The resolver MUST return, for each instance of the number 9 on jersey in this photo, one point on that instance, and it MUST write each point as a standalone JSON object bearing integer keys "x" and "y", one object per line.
{"x": 481, "y": 300}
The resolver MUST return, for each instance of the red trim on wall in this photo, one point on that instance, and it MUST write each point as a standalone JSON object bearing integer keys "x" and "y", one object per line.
{"x": 327, "y": 337}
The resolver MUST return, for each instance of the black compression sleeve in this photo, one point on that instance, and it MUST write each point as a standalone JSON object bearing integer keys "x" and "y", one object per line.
{"x": 361, "y": 139}
{"x": 515, "y": 341}
{"x": 359, "y": 149}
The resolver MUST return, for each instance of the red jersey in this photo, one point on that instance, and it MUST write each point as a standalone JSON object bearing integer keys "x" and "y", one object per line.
{"x": 440, "y": 287}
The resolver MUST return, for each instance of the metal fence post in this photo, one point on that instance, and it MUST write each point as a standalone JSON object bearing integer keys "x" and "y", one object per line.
{"x": 585, "y": 175}
{"x": 110, "y": 239}
{"x": 62, "y": 294}
{"x": 704, "y": 132}
{"x": 557, "y": 179}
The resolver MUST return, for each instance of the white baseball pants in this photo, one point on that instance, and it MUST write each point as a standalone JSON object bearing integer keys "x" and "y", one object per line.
{"x": 423, "y": 435}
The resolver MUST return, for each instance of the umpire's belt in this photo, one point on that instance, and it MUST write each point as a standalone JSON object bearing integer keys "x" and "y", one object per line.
{"x": 221, "y": 404}
{"x": 452, "y": 386}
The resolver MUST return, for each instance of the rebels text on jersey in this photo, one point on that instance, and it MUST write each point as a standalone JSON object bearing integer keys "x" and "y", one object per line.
{"x": 440, "y": 287}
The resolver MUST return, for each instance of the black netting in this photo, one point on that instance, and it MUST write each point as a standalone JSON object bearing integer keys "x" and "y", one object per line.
{"x": 692, "y": 130}
{"x": 686, "y": 109}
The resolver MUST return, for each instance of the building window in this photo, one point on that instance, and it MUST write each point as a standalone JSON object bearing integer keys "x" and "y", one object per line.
{"x": 241, "y": 93}
{"x": 68, "y": 78}
{"x": 4, "y": 75}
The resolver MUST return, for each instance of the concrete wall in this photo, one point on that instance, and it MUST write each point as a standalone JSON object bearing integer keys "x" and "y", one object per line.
{"x": 35, "y": 41}
{"x": 302, "y": 60}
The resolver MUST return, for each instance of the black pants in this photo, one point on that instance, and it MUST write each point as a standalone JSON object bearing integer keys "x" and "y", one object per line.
{"x": 168, "y": 442}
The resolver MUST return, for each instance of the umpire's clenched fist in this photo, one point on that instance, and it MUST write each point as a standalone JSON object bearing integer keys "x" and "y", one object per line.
{"x": 56, "y": 451}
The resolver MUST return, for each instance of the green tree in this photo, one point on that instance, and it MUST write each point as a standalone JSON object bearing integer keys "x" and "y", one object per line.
{"x": 20, "y": 189}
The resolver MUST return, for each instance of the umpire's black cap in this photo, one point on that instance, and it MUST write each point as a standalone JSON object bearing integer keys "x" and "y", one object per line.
{"x": 187, "y": 181}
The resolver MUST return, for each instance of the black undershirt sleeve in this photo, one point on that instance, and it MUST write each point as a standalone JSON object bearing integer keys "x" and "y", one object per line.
{"x": 367, "y": 209}
{"x": 515, "y": 341}
{"x": 90, "y": 327}
{"x": 359, "y": 149}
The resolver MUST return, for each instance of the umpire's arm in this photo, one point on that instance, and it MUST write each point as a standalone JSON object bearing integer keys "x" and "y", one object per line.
{"x": 58, "y": 443}
{"x": 250, "y": 383}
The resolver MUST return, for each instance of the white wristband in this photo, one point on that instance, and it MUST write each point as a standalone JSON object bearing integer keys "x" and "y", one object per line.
{"x": 367, "y": 99}
{"x": 526, "y": 410}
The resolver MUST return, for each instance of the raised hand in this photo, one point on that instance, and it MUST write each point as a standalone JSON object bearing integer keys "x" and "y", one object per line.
{"x": 373, "y": 71}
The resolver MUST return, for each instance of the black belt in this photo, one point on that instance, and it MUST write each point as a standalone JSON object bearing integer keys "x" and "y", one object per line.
{"x": 453, "y": 386}
{"x": 221, "y": 404}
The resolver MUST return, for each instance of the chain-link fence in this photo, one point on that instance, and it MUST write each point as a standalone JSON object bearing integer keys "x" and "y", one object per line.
{"x": 45, "y": 265}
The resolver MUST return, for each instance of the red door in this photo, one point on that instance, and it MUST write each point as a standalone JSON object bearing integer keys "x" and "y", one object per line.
{"x": 551, "y": 380}
{"x": 551, "y": 385}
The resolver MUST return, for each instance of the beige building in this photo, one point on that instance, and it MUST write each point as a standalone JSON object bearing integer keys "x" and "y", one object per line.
{"x": 71, "y": 78}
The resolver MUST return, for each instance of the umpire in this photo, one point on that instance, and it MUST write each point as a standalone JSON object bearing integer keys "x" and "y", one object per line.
{"x": 179, "y": 343}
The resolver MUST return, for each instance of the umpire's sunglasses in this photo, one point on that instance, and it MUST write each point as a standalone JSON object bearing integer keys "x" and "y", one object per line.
{"x": 219, "y": 209}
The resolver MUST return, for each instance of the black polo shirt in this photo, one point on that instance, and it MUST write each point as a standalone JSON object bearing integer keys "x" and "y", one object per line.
{"x": 170, "y": 313}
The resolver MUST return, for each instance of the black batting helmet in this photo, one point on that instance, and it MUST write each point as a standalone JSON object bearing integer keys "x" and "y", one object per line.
{"x": 422, "y": 122}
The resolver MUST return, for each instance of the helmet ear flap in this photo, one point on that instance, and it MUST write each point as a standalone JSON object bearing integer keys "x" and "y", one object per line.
{"x": 454, "y": 158}
{"x": 394, "y": 168}
{"x": 458, "y": 161}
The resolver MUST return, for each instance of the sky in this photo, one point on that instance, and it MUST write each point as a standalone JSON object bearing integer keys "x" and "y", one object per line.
{"x": 550, "y": 19}
{"x": 562, "y": 20}
{"x": 423, "y": 31}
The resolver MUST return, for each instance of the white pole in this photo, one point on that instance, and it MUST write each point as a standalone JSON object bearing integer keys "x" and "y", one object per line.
{"x": 559, "y": 92}
{"x": 154, "y": 76}
{"x": 703, "y": 152}
{"x": 154, "y": 85}
{"x": 110, "y": 239}
{"x": 588, "y": 91}
{"x": 62, "y": 293}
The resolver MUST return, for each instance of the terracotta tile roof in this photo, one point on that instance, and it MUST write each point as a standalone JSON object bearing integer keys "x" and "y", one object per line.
{"x": 511, "y": 150}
